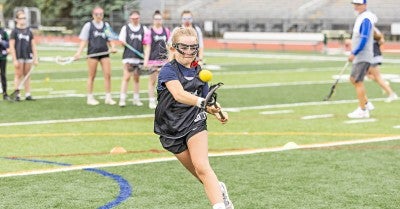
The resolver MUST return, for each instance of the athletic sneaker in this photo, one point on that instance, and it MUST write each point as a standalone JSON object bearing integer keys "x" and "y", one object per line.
{"x": 122, "y": 103}
{"x": 110, "y": 101}
{"x": 369, "y": 106}
{"x": 152, "y": 104}
{"x": 29, "y": 98}
{"x": 391, "y": 97}
{"x": 359, "y": 113}
{"x": 228, "y": 203}
{"x": 6, "y": 97}
{"x": 92, "y": 101}
{"x": 137, "y": 102}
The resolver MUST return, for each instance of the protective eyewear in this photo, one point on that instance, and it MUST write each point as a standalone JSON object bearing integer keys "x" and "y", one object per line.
{"x": 182, "y": 48}
{"x": 187, "y": 19}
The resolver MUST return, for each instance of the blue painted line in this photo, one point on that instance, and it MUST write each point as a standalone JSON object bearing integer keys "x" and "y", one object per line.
{"x": 125, "y": 189}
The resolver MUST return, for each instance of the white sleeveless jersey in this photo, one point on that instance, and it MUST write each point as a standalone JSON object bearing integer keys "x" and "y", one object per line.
{"x": 366, "y": 54}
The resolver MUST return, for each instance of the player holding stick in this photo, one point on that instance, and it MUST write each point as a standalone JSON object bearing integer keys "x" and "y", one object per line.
{"x": 133, "y": 35}
{"x": 361, "y": 55}
{"x": 180, "y": 117}
{"x": 24, "y": 54}
{"x": 156, "y": 52}
{"x": 92, "y": 34}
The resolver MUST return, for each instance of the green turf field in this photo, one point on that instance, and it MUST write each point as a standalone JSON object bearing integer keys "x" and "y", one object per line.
{"x": 47, "y": 146}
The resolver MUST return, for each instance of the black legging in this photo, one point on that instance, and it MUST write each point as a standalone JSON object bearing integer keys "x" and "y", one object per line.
{"x": 3, "y": 64}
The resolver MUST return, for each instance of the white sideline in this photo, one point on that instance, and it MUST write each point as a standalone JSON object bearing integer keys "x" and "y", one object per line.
{"x": 76, "y": 120}
{"x": 230, "y": 153}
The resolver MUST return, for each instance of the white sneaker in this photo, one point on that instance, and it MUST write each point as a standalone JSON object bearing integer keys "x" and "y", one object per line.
{"x": 137, "y": 102}
{"x": 92, "y": 101}
{"x": 110, "y": 101}
{"x": 228, "y": 203}
{"x": 391, "y": 97}
{"x": 122, "y": 103}
{"x": 359, "y": 113}
{"x": 369, "y": 106}
{"x": 152, "y": 104}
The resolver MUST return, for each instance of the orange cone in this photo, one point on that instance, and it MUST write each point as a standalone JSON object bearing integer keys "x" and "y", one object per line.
{"x": 118, "y": 150}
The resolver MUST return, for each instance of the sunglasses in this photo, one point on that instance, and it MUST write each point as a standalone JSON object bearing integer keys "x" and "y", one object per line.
{"x": 98, "y": 14}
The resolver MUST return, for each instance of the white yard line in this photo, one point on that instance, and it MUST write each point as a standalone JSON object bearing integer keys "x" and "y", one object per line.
{"x": 287, "y": 56}
{"x": 276, "y": 112}
{"x": 232, "y": 153}
{"x": 76, "y": 120}
{"x": 309, "y": 117}
{"x": 368, "y": 120}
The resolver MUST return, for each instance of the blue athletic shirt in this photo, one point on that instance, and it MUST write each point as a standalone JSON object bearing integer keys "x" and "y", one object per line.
{"x": 365, "y": 31}
{"x": 168, "y": 73}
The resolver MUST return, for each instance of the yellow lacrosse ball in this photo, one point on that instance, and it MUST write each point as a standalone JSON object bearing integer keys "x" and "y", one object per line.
{"x": 205, "y": 75}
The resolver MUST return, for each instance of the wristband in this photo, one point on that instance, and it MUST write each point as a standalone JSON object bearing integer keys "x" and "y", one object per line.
{"x": 200, "y": 102}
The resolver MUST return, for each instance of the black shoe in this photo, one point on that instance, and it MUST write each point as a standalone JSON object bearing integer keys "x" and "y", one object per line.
{"x": 17, "y": 99}
{"x": 6, "y": 97}
{"x": 29, "y": 98}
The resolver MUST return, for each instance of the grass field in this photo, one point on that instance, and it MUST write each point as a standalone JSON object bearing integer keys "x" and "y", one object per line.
{"x": 55, "y": 151}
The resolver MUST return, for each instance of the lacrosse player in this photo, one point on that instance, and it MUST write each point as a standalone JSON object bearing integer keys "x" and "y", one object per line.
{"x": 361, "y": 55}
{"x": 4, "y": 45}
{"x": 24, "y": 53}
{"x": 374, "y": 72}
{"x": 92, "y": 34}
{"x": 157, "y": 55}
{"x": 187, "y": 21}
{"x": 132, "y": 34}
{"x": 180, "y": 115}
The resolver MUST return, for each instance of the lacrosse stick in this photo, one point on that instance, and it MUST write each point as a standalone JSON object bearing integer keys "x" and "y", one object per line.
{"x": 114, "y": 36}
{"x": 14, "y": 95}
{"x": 333, "y": 88}
{"x": 211, "y": 98}
{"x": 67, "y": 60}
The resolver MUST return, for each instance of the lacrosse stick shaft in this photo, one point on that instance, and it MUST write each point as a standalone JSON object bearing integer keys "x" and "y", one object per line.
{"x": 337, "y": 81}
{"x": 97, "y": 54}
{"x": 220, "y": 112}
{"x": 21, "y": 84}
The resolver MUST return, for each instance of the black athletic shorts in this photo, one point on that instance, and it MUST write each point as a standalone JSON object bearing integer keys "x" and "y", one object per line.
{"x": 179, "y": 145}
{"x": 101, "y": 57}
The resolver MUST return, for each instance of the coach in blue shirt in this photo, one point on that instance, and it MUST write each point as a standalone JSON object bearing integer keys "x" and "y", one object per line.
{"x": 361, "y": 55}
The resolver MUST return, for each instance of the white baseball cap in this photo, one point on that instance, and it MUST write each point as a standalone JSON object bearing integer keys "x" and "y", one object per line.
{"x": 359, "y": 1}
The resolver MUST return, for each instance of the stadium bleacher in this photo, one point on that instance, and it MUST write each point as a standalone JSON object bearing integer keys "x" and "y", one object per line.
{"x": 272, "y": 15}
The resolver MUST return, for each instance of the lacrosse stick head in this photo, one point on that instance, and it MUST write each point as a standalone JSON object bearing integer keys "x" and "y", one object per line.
{"x": 64, "y": 60}
{"x": 211, "y": 97}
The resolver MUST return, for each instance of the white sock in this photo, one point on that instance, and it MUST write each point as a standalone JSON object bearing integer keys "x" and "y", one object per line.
{"x": 152, "y": 100}
{"x": 27, "y": 94}
{"x": 219, "y": 206}
{"x": 90, "y": 96}
{"x": 136, "y": 96}
{"x": 108, "y": 95}
{"x": 122, "y": 97}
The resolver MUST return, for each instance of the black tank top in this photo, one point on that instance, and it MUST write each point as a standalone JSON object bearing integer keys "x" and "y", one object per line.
{"x": 135, "y": 40}
{"x": 174, "y": 119}
{"x": 97, "y": 39}
{"x": 158, "y": 45}
{"x": 23, "y": 43}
